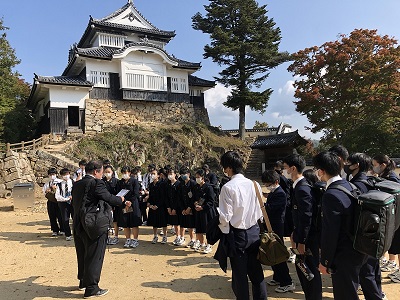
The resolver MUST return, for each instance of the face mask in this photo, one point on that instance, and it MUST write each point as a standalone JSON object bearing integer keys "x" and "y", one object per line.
{"x": 347, "y": 170}
{"x": 184, "y": 177}
{"x": 66, "y": 177}
{"x": 108, "y": 175}
{"x": 285, "y": 173}
{"x": 126, "y": 176}
{"x": 171, "y": 177}
{"x": 199, "y": 180}
{"x": 377, "y": 169}
{"x": 53, "y": 177}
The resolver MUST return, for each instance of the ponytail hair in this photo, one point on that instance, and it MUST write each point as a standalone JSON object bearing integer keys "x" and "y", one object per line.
{"x": 384, "y": 159}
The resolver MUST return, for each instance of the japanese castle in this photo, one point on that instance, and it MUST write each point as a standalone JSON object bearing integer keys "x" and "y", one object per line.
{"x": 119, "y": 68}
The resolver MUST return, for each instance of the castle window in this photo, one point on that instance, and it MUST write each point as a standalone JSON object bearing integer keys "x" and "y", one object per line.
{"x": 100, "y": 79}
{"x": 174, "y": 84}
{"x": 111, "y": 40}
{"x": 183, "y": 85}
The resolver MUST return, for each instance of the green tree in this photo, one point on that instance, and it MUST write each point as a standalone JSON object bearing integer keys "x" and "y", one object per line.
{"x": 13, "y": 92}
{"x": 259, "y": 125}
{"x": 246, "y": 42}
{"x": 350, "y": 89}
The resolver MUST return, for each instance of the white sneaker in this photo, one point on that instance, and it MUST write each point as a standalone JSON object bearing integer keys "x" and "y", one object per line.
{"x": 144, "y": 223}
{"x": 384, "y": 296}
{"x": 396, "y": 279}
{"x": 382, "y": 261}
{"x": 292, "y": 259}
{"x": 61, "y": 233}
{"x": 161, "y": 232}
{"x": 394, "y": 274}
{"x": 68, "y": 238}
{"x": 172, "y": 231}
{"x": 286, "y": 288}
{"x": 197, "y": 246}
{"x": 127, "y": 243}
{"x": 134, "y": 243}
{"x": 176, "y": 240}
{"x": 181, "y": 241}
{"x": 54, "y": 234}
{"x": 164, "y": 240}
{"x": 389, "y": 267}
{"x": 190, "y": 244}
{"x": 207, "y": 249}
{"x": 155, "y": 239}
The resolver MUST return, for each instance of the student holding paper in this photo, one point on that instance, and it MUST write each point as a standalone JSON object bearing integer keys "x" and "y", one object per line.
{"x": 130, "y": 217}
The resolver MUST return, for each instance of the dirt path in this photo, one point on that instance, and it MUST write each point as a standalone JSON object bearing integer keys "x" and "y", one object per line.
{"x": 38, "y": 266}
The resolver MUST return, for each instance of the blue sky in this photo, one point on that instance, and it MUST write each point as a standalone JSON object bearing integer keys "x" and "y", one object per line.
{"x": 42, "y": 32}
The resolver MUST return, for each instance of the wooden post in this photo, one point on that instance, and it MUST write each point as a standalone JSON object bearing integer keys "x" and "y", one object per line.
{"x": 8, "y": 147}
{"x": 23, "y": 145}
{"x": 34, "y": 144}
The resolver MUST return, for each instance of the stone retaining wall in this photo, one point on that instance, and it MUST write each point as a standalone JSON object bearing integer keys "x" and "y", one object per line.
{"x": 100, "y": 114}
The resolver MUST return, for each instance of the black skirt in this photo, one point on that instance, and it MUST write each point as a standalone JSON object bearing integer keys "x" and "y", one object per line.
{"x": 187, "y": 221}
{"x": 174, "y": 219}
{"x": 131, "y": 219}
{"x": 157, "y": 218}
{"x": 202, "y": 218}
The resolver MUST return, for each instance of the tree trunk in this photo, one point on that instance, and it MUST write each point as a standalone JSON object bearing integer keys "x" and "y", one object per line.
{"x": 242, "y": 122}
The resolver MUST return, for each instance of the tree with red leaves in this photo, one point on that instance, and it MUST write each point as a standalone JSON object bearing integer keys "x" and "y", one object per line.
{"x": 350, "y": 90}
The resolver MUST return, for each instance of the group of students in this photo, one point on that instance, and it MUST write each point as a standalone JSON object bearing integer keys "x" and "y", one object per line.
{"x": 318, "y": 222}
{"x": 159, "y": 198}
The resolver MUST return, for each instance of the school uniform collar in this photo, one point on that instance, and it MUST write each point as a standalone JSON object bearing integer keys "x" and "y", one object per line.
{"x": 275, "y": 188}
{"x": 332, "y": 180}
{"x": 297, "y": 181}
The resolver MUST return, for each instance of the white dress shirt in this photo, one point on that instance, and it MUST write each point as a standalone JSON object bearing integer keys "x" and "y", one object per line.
{"x": 238, "y": 204}
{"x": 60, "y": 193}
{"x": 332, "y": 180}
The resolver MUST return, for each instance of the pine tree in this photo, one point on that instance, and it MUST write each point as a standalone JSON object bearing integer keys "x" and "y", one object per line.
{"x": 246, "y": 42}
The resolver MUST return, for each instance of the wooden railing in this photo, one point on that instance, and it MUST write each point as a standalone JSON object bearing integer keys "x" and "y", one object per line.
{"x": 31, "y": 145}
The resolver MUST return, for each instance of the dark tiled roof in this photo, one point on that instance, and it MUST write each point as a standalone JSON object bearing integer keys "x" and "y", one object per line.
{"x": 134, "y": 28}
{"x": 108, "y": 52}
{"x": 97, "y": 52}
{"x": 196, "y": 81}
{"x": 63, "y": 80}
{"x": 279, "y": 140}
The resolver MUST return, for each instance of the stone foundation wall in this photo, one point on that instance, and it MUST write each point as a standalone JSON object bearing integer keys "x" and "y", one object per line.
{"x": 100, "y": 114}
{"x": 15, "y": 168}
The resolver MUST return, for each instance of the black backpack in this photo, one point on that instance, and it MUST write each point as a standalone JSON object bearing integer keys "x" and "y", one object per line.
{"x": 390, "y": 187}
{"x": 374, "y": 220}
{"x": 96, "y": 217}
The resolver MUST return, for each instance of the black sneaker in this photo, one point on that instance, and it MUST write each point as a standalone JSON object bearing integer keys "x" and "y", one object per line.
{"x": 99, "y": 293}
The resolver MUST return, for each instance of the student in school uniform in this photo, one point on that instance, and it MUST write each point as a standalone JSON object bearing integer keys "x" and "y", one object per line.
{"x": 130, "y": 217}
{"x": 204, "y": 211}
{"x": 276, "y": 209}
{"x": 80, "y": 173}
{"x": 338, "y": 256}
{"x": 157, "y": 216}
{"x": 64, "y": 198}
{"x": 357, "y": 165}
{"x": 112, "y": 186}
{"x": 173, "y": 208}
{"x": 384, "y": 167}
{"x": 146, "y": 180}
{"x": 305, "y": 233}
{"x": 187, "y": 204}
{"x": 49, "y": 191}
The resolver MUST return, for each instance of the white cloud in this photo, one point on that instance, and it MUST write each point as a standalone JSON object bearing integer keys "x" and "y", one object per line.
{"x": 281, "y": 117}
{"x": 288, "y": 88}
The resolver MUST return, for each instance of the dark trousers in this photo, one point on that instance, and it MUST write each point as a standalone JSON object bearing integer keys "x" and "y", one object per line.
{"x": 66, "y": 211}
{"x": 54, "y": 213}
{"x": 281, "y": 271}
{"x": 143, "y": 210}
{"x": 245, "y": 263}
{"x": 90, "y": 256}
{"x": 346, "y": 274}
{"x": 312, "y": 289}
{"x": 371, "y": 280}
